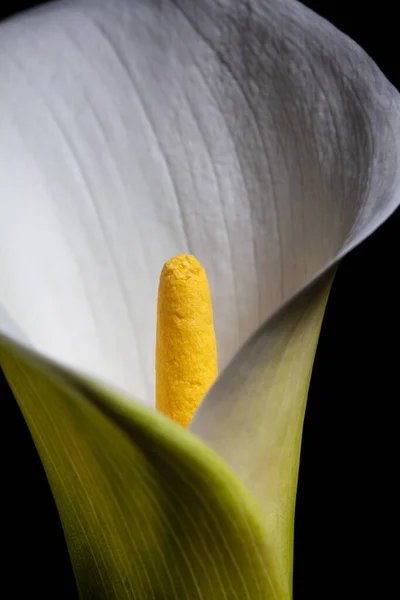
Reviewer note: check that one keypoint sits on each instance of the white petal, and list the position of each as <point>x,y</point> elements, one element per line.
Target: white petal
<point>263,141</point>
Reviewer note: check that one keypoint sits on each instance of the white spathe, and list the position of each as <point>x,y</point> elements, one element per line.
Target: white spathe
<point>251,134</point>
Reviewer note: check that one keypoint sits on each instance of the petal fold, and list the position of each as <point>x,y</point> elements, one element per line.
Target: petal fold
<point>253,417</point>
<point>148,511</point>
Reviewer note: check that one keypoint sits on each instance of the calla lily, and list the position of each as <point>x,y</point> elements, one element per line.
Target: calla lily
<point>251,134</point>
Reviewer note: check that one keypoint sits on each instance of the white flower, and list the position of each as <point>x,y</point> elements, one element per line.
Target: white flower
<point>250,134</point>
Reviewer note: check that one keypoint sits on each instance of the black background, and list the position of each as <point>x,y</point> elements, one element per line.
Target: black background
<point>345,515</point>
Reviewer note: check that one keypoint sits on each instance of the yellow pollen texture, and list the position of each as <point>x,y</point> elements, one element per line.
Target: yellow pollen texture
<point>186,349</point>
